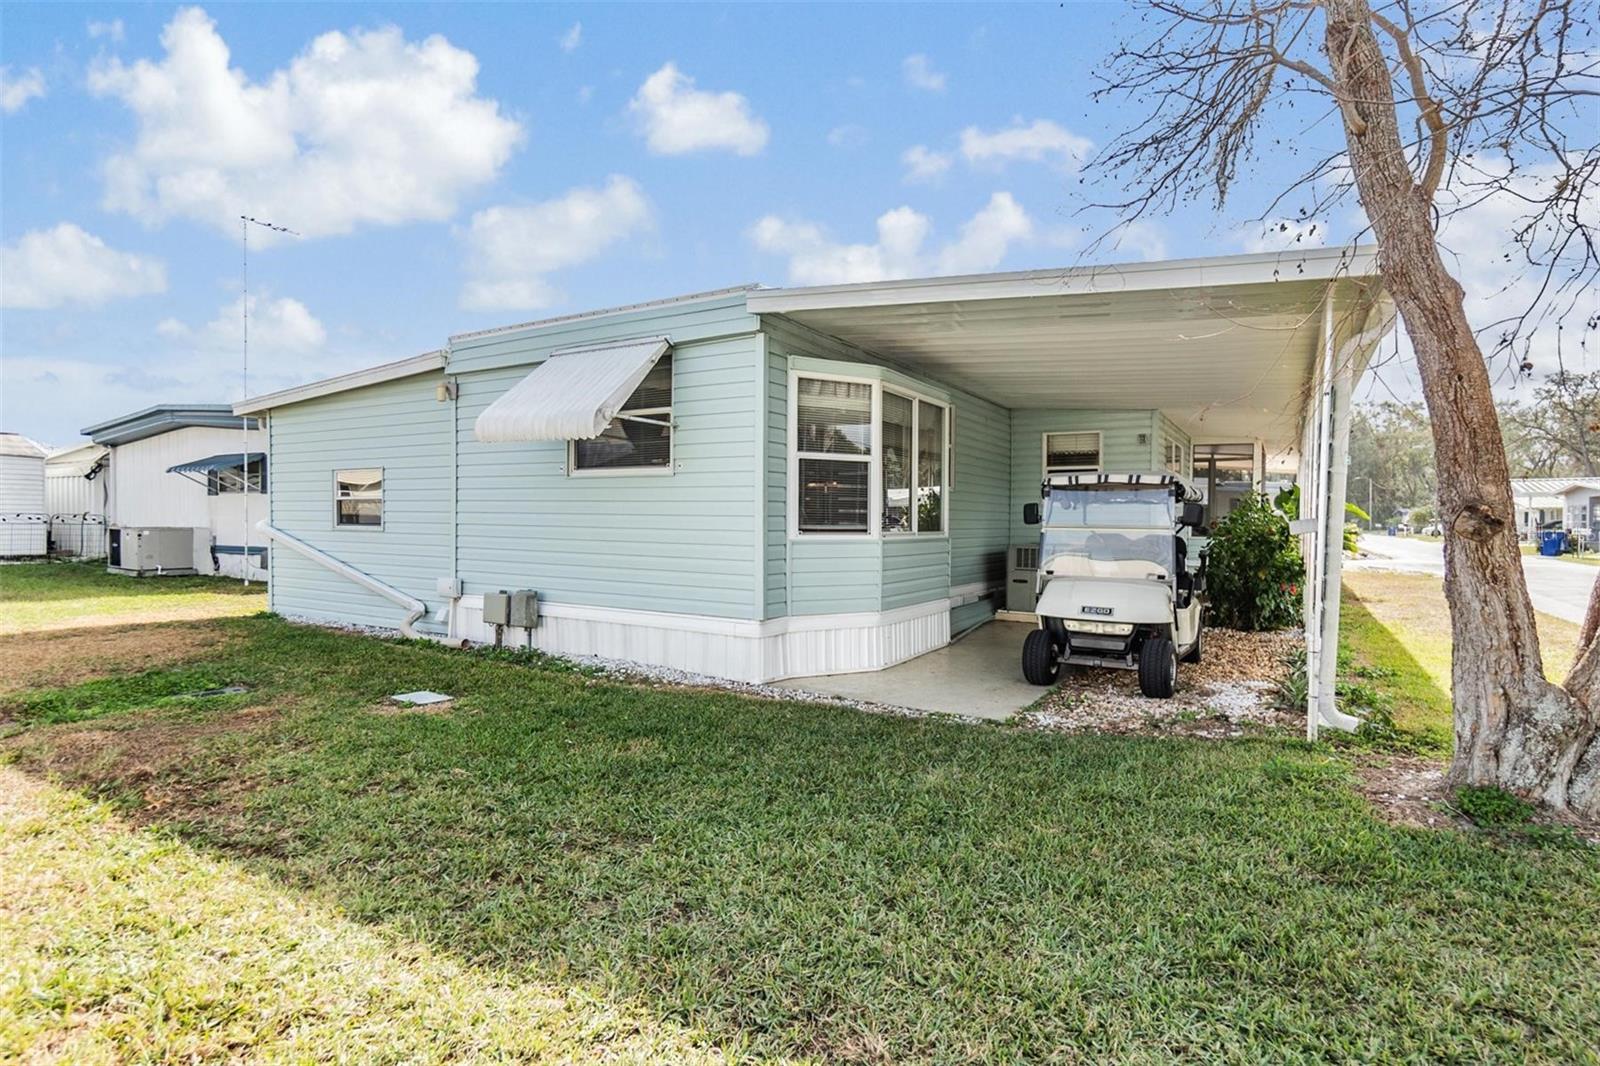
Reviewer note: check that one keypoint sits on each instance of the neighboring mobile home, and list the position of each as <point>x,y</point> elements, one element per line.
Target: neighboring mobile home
<point>769,483</point>
<point>77,494</point>
<point>24,525</point>
<point>182,467</point>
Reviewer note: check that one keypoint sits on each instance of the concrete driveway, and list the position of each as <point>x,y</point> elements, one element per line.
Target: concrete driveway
<point>1557,587</point>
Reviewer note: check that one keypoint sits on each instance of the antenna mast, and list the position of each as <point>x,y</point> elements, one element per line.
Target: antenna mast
<point>245,222</point>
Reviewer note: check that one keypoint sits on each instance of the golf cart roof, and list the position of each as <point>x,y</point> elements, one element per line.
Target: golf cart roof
<point>1181,485</point>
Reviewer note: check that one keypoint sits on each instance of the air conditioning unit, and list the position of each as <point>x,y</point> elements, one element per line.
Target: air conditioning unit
<point>1022,577</point>
<point>147,551</point>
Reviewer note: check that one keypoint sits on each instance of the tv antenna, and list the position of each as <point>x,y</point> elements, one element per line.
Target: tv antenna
<point>245,222</point>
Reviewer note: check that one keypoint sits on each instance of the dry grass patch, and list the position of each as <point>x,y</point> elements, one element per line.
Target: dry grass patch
<point>68,657</point>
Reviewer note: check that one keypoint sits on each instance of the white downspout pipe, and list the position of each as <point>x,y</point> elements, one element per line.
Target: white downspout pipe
<point>415,607</point>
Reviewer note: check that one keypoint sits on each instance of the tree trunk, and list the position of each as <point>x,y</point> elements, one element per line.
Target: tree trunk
<point>1513,729</point>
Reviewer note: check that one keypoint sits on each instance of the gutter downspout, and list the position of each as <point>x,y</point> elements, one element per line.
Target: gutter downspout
<point>415,607</point>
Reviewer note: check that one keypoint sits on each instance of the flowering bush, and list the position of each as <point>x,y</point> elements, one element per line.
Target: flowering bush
<point>1254,571</point>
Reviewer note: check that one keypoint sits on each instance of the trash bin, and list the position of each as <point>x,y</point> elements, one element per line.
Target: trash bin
<point>1551,541</point>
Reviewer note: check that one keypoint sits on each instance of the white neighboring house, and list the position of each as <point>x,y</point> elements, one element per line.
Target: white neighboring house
<point>1539,504</point>
<point>1580,504</point>
<point>24,526</point>
<point>77,495</point>
<point>181,466</point>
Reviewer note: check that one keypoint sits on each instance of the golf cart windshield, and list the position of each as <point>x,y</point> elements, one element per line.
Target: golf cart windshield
<point>1117,531</point>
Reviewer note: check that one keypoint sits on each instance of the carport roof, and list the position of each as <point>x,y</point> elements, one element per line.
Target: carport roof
<point>1227,346</point>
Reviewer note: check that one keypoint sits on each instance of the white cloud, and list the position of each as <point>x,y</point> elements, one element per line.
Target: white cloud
<point>280,328</point>
<point>359,129</point>
<point>1283,235</point>
<point>1141,240</point>
<point>572,38</point>
<point>68,265</point>
<point>1040,141</point>
<point>111,30</point>
<point>899,252</point>
<point>924,164</point>
<point>512,250</point>
<point>17,91</point>
<point>677,118</point>
<point>919,73</point>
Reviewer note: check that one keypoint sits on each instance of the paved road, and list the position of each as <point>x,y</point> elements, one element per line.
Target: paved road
<point>1557,587</point>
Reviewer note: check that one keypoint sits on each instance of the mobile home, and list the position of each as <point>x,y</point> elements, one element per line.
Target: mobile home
<point>24,525</point>
<point>761,483</point>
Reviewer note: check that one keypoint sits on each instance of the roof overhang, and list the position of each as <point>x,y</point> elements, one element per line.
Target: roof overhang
<point>163,418</point>
<point>1227,347</point>
<point>356,379</point>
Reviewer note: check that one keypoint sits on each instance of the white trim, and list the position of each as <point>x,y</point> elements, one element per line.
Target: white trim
<point>382,502</point>
<point>356,379</point>
<point>736,648</point>
<point>606,312</point>
<point>1268,267</point>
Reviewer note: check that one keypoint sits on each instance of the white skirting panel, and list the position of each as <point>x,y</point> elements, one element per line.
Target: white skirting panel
<point>725,647</point>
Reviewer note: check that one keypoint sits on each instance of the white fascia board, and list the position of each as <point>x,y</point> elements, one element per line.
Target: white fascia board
<point>1261,269</point>
<point>372,375</point>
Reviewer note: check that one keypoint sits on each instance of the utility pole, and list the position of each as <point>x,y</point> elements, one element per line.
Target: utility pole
<point>245,222</point>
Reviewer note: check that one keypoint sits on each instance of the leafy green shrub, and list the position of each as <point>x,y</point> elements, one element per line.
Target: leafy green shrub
<point>1254,570</point>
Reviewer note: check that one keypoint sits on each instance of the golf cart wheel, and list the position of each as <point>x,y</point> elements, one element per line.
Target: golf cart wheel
<point>1158,668</point>
<point>1193,654</point>
<point>1039,663</point>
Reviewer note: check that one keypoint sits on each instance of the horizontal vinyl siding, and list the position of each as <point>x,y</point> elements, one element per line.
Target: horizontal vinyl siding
<point>980,505</point>
<point>400,426</point>
<point>684,542</point>
<point>829,576</point>
<point>916,569</point>
<point>775,512</point>
<point>1120,450</point>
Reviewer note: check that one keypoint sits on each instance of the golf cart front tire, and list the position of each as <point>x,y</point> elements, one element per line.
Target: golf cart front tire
<point>1040,664</point>
<point>1158,668</point>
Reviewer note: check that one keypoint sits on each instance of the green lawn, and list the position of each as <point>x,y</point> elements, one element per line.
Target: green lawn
<point>1587,558</point>
<point>561,867</point>
<point>62,595</point>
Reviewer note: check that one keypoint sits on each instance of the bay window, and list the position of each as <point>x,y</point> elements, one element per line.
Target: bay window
<point>869,458</point>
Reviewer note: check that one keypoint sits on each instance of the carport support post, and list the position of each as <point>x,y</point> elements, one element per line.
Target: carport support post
<point>1332,548</point>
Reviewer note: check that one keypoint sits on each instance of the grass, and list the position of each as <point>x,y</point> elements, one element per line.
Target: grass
<point>563,868</point>
<point>65,595</point>
<point>1587,558</point>
<point>1395,632</point>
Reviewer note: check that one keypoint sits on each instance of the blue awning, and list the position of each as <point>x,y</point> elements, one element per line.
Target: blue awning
<point>226,461</point>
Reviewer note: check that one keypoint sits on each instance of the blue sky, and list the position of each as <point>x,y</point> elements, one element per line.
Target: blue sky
<point>459,167</point>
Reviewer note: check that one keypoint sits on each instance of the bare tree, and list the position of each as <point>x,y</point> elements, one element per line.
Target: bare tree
<point>1442,108</point>
<point>1560,426</point>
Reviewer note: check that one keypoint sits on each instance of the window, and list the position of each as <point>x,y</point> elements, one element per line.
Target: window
<point>833,440</point>
<point>358,497</point>
<point>227,479</point>
<point>1174,456</point>
<point>639,439</point>
<point>860,446</point>
<point>1072,453</point>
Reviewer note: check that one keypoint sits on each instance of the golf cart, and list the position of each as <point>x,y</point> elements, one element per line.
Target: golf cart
<point>1114,587</point>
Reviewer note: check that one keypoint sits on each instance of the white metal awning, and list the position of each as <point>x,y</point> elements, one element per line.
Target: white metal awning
<point>573,395</point>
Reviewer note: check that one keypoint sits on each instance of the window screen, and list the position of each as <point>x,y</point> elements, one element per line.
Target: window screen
<point>833,439</point>
<point>640,437</point>
<point>897,462</point>
<point>358,497</point>
<point>227,479</point>
<point>1071,453</point>
<point>930,467</point>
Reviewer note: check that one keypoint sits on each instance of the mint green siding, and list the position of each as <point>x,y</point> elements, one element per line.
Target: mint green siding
<point>681,542</point>
<point>399,426</point>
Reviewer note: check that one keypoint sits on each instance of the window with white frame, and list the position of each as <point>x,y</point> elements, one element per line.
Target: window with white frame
<point>1174,456</point>
<point>639,439</point>
<point>862,447</point>
<point>1072,453</point>
<point>358,497</point>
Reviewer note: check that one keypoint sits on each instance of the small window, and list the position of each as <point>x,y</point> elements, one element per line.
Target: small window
<point>1174,456</point>
<point>226,480</point>
<point>833,437</point>
<point>358,497</point>
<point>1071,453</point>
<point>899,413</point>
<point>930,467</point>
<point>640,437</point>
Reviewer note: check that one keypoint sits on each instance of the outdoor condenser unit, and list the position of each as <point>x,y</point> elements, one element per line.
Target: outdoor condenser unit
<point>1022,576</point>
<point>145,551</point>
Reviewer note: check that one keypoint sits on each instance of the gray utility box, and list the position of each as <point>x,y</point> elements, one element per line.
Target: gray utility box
<point>146,551</point>
<point>1022,578</point>
<point>519,610</point>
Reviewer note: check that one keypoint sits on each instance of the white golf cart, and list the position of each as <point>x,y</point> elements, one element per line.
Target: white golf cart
<point>1115,588</point>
